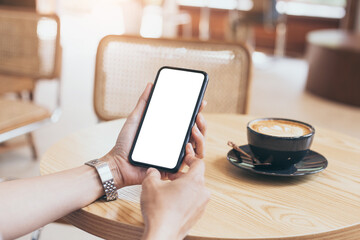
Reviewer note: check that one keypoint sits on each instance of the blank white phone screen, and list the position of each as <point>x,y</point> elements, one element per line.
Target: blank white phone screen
<point>168,117</point>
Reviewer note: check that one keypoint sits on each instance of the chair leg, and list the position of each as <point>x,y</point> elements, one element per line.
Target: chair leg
<point>30,135</point>
<point>31,96</point>
<point>31,141</point>
<point>36,234</point>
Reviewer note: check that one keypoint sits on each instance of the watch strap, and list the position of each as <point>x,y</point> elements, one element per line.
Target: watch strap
<point>106,178</point>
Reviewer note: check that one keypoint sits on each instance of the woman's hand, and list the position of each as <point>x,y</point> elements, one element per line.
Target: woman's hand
<point>126,174</point>
<point>170,209</point>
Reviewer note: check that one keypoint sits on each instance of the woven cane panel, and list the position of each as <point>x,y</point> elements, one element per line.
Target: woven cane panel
<point>126,65</point>
<point>28,44</point>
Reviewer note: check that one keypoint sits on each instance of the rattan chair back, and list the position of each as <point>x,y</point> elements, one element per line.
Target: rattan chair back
<point>29,44</point>
<point>125,64</point>
<point>29,50</point>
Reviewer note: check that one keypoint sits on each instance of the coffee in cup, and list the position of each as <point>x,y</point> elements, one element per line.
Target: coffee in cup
<point>279,143</point>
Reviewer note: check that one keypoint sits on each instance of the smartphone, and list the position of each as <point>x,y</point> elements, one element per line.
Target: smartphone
<point>169,116</point>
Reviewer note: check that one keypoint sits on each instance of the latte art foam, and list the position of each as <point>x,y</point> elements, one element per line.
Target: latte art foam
<point>280,128</point>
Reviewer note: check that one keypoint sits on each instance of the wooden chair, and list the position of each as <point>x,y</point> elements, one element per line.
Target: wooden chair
<point>29,51</point>
<point>125,64</point>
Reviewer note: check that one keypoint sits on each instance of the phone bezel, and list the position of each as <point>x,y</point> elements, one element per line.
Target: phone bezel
<point>192,122</point>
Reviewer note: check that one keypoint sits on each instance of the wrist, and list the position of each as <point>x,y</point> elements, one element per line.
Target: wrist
<point>92,182</point>
<point>115,171</point>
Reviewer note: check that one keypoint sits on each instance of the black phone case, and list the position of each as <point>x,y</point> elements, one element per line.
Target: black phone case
<point>192,122</point>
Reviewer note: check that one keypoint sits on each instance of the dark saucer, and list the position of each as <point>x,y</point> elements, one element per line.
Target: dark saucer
<point>313,162</point>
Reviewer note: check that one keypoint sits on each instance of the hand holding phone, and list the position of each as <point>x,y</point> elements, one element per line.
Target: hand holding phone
<point>170,113</point>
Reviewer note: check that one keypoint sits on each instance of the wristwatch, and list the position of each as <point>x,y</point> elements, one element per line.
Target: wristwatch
<point>106,178</point>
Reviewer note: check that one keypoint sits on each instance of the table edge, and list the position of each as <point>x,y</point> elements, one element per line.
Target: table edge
<point>109,229</point>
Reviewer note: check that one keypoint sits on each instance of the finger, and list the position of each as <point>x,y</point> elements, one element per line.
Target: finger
<point>190,154</point>
<point>174,176</point>
<point>182,166</point>
<point>197,168</point>
<point>192,142</point>
<point>196,171</point>
<point>141,104</point>
<point>179,173</point>
<point>203,105</point>
<point>199,142</point>
<point>164,175</point>
<point>201,123</point>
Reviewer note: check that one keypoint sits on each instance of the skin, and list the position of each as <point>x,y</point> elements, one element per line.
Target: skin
<point>167,210</point>
<point>128,174</point>
<point>34,202</point>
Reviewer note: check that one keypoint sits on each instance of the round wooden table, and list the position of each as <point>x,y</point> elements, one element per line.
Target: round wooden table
<point>243,205</point>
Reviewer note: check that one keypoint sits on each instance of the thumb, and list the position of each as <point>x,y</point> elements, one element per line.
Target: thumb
<point>153,174</point>
<point>141,104</point>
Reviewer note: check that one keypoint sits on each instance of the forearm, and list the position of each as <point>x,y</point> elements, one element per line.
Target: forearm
<point>28,204</point>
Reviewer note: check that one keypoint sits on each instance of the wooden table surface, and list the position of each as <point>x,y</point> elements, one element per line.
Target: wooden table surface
<point>243,205</point>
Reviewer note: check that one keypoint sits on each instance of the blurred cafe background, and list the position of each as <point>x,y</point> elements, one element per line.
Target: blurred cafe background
<point>304,64</point>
